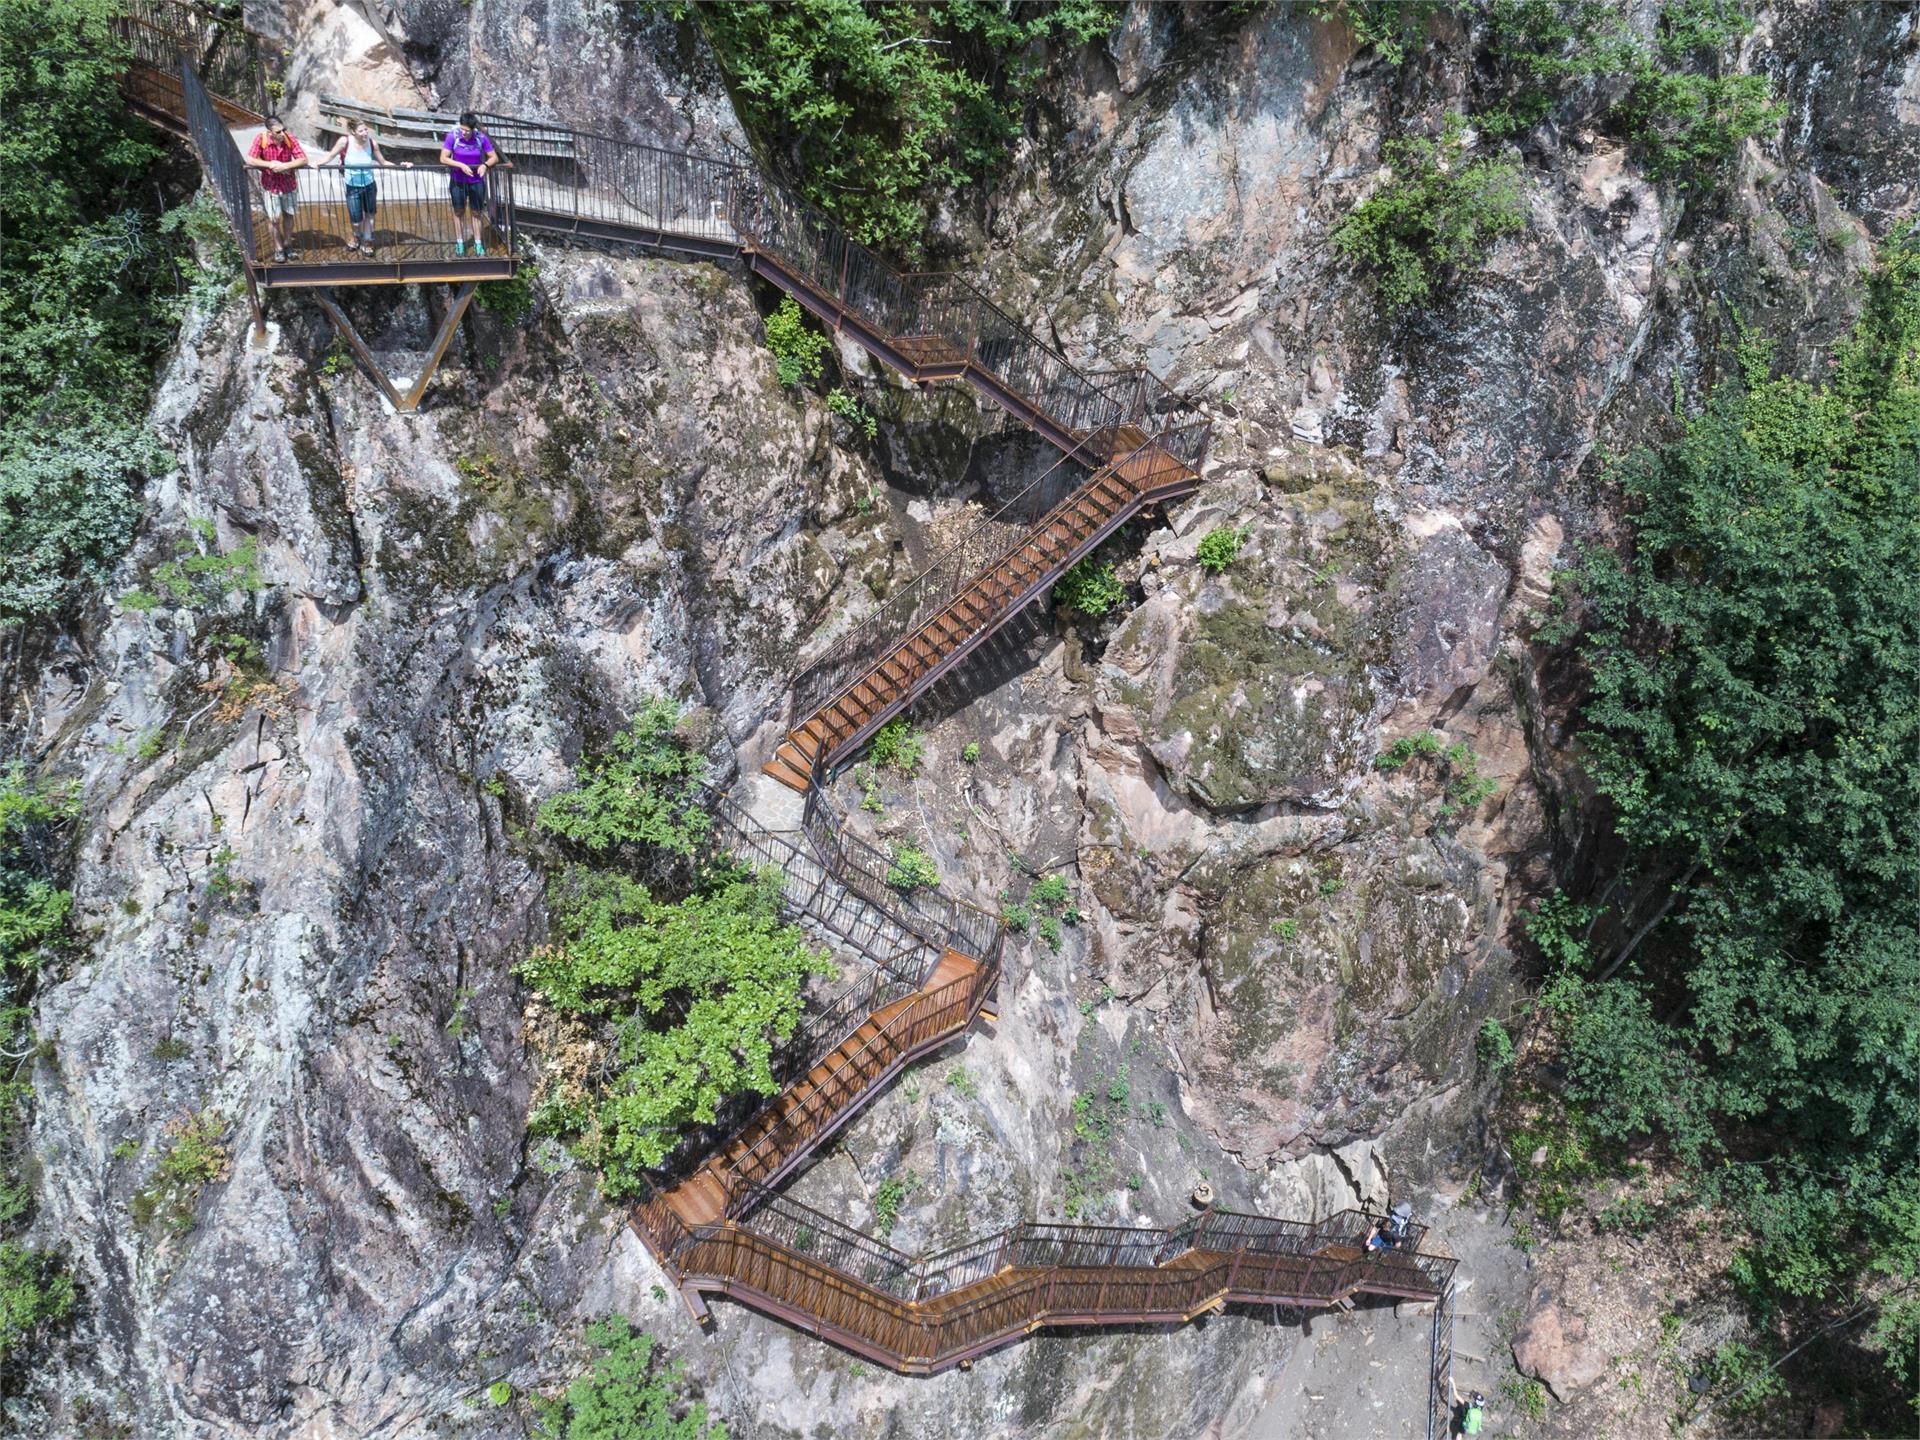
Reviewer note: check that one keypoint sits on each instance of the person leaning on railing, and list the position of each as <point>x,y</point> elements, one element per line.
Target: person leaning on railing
<point>358,151</point>
<point>468,155</point>
<point>278,154</point>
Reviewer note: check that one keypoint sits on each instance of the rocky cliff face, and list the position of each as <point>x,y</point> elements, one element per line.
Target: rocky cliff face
<point>304,875</point>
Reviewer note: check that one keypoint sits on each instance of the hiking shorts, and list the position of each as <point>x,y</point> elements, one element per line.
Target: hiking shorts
<point>362,201</point>
<point>282,202</point>
<point>468,194</point>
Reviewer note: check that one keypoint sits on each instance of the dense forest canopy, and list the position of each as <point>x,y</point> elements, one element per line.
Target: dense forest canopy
<point>1755,662</point>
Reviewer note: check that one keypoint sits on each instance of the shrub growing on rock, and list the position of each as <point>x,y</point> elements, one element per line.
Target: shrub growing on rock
<point>1220,547</point>
<point>697,993</point>
<point>624,1395</point>
<point>898,746</point>
<point>912,869</point>
<point>799,350</point>
<point>1437,215</point>
<point>644,791</point>
<point>1091,587</point>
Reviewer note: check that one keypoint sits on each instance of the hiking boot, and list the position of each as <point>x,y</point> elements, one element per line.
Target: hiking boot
<point>459,247</point>
<point>478,248</point>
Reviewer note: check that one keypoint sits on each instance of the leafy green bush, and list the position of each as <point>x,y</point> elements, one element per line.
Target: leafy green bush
<point>698,991</point>
<point>898,746</point>
<point>68,503</point>
<point>1091,587</point>
<point>201,576</point>
<point>1049,891</point>
<point>912,869</point>
<point>1682,119</point>
<point>1493,1045</point>
<point>1751,725</point>
<point>1391,27</point>
<point>1438,215</point>
<point>1220,547</point>
<point>624,1395</point>
<point>85,304</point>
<point>887,1197</point>
<point>33,911</point>
<point>849,408</point>
<point>644,791</point>
<point>880,109</point>
<point>799,350</point>
<point>1463,787</point>
<point>1686,124</point>
<point>35,1290</point>
<point>195,1157</point>
<point>510,301</point>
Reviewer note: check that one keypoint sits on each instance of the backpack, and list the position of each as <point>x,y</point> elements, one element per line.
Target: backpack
<point>1472,1417</point>
<point>1398,1219</point>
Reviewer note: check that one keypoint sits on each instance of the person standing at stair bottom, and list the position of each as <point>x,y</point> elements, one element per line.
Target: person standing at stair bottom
<point>277,154</point>
<point>358,151</point>
<point>468,154</point>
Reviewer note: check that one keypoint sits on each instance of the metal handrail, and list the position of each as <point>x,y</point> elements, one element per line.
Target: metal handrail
<point>972,563</point>
<point>219,157</point>
<point>826,1098</point>
<point>1070,1269</point>
<point>227,57</point>
<point>934,915</point>
<point>927,593</point>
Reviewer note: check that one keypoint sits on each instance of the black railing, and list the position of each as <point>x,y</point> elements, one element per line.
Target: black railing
<point>1042,1244</point>
<point>226,171</point>
<point>880,930</point>
<point>413,215</point>
<point>612,186</point>
<point>935,587</point>
<point>229,60</point>
<point>1440,1369</point>
<point>926,911</point>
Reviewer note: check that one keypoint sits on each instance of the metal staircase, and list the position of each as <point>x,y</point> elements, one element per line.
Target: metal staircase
<point>928,964</point>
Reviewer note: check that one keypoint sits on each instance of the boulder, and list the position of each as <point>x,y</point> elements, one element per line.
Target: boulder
<point>1553,1348</point>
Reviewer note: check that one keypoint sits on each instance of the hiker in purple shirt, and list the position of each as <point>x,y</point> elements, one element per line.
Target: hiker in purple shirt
<point>468,154</point>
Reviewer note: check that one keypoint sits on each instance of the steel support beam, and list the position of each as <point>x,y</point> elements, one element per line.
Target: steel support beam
<point>409,401</point>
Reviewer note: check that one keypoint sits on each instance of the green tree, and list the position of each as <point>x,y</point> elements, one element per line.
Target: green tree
<point>880,108</point>
<point>625,1395</point>
<point>1675,103</point>
<point>82,319</point>
<point>698,992</point>
<point>1755,654</point>
<point>1437,215</point>
<point>646,790</point>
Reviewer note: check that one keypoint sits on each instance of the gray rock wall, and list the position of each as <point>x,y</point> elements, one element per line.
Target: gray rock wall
<point>305,872</point>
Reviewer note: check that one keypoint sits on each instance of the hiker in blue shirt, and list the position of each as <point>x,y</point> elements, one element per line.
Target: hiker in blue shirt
<point>358,151</point>
<point>1391,1233</point>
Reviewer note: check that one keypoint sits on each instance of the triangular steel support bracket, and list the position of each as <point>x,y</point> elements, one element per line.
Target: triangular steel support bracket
<point>410,400</point>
